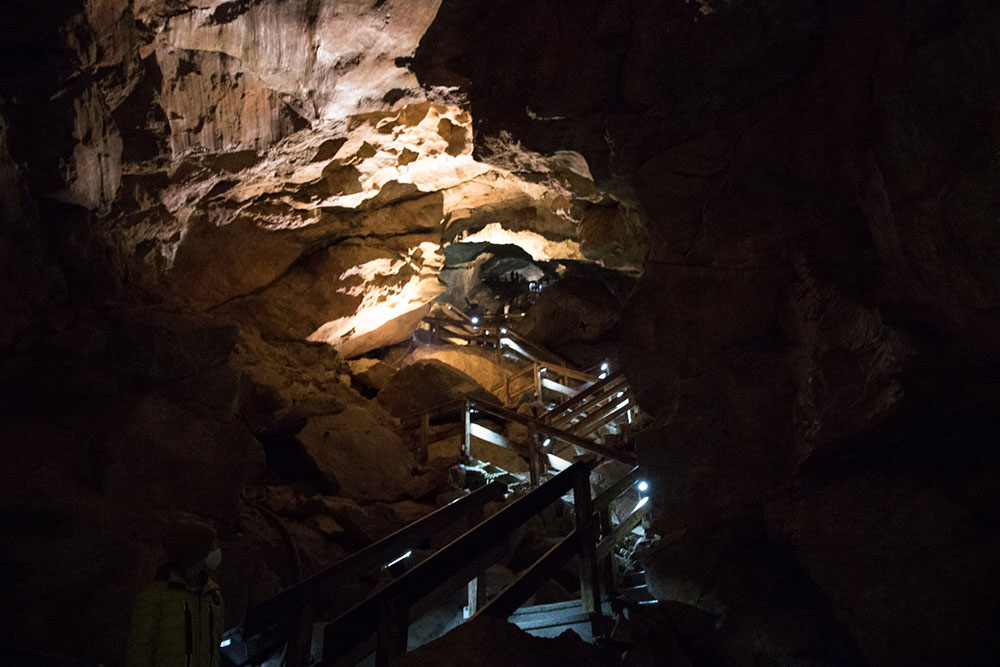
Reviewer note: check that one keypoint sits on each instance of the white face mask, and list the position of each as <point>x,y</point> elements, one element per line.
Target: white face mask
<point>214,558</point>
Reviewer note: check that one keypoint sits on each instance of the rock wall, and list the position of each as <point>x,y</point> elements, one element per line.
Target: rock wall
<point>818,182</point>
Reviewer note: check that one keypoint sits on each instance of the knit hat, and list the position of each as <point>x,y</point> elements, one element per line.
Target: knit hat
<point>188,542</point>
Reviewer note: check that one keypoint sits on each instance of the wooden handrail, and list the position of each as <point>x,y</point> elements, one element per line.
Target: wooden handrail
<point>363,619</point>
<point>555,433</point>
<point>615,490</point>
<point>601,414</point>
<point>584,395</point>
<point>276,615</point>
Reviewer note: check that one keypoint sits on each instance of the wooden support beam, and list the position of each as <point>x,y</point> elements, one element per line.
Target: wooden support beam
<point>467,431</point>
<point>533,460</point>
<point>609,573</point>
<point>595,391</point>
<point>492,437</point>
<point>299,652</point>
<point>590,578</point>
<point>517,592</point>
<point>602,415</point>
<point>393,627</point>
<point>558,387</point>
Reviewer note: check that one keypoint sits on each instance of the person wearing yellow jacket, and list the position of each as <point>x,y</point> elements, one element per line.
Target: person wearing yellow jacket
<point>177,621</point>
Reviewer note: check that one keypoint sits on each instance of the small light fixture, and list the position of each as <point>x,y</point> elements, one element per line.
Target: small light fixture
<point>399,560</point>
<point>643,487</point>
<point>503,331</point>
<point>605,366</point>
<point>475,320</point>
<point>548,441</point>
<point>225,642</point>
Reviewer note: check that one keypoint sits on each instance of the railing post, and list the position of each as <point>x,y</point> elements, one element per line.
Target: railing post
<point>538,383</point>
<point>590,586</point>
<point>533,462</point>
<point>467,431</point>
<point>608,566</point>
<point>393,627</point>
<point>300,639</point>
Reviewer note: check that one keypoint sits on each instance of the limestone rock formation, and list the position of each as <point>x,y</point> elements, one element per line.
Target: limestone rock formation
<point>362,456</point>
<point>801,169</point>
<point>429,384</point>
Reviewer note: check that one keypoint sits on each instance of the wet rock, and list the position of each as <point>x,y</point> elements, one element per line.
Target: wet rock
<point>360,453</point>
<point>428,384</point>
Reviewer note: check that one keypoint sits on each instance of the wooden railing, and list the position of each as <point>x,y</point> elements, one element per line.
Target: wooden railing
<point>291,613</point>
<point>539,453</point>
<point>381,622</point>
<point>601,403</point>
<point>598,571</point>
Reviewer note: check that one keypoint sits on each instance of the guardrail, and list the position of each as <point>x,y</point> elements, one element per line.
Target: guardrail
<point>381,622</point>
<point>290,614</point>
<point>464,409</point>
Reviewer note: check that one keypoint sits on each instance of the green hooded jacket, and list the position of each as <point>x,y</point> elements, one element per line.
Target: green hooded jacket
<point>175,624</point>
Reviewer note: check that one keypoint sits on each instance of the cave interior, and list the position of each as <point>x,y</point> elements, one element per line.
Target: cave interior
<point>235,236</point>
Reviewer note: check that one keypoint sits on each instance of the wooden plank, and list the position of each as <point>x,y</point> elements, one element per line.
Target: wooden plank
<point>442,566</point>
<point>609,573</point>
<point>555,433</point>
<point>590,576</point>
<point>558,388</point>
<point>492,437</point>
<point>585,395</point>
<point>623,529</point>
<point>393,627</point>
<point>533,462</point>
<point>467,431</point>
<point>518,591</point>
<point>602,415</point>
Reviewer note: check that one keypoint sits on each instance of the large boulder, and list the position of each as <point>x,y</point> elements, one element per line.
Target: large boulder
<point>429,384</point>
<point>572,310</point>
<point>359,453</point>
<point>483,365</point>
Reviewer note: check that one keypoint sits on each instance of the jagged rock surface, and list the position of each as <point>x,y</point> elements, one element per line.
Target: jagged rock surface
<point>814,179</point>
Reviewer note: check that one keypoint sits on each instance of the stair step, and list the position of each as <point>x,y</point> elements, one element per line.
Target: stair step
<point>551,620</point>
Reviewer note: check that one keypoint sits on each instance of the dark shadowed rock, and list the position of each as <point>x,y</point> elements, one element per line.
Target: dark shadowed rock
<point>158,345</point>
<point>428,384</point>
<point>573,310</point>
<point>166,456</point>
<point>492,643</point>
<point>358,451</point>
